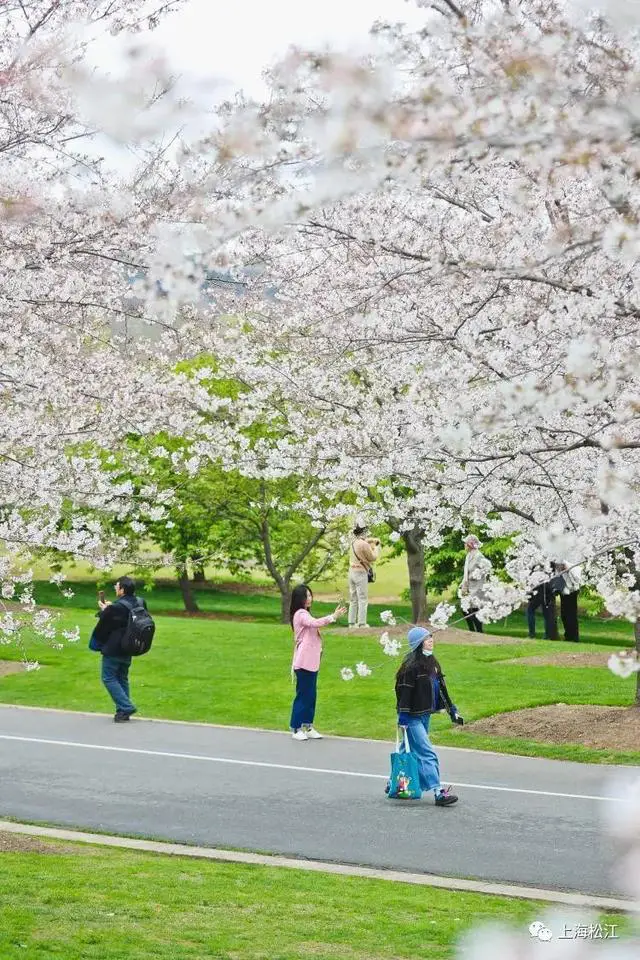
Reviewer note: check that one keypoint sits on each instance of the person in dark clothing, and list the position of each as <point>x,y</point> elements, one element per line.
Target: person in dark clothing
<point>572,578</point>
<point>543,596</point>
<point>569,615</point>
<point>109,631</point>
<point>420,692</point>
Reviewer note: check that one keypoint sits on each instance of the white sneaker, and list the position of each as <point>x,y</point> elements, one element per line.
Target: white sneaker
<point>299,735</point>
<point>313,734</point>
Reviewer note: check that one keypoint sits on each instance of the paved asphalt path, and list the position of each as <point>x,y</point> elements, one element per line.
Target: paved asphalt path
<point>519,820</point>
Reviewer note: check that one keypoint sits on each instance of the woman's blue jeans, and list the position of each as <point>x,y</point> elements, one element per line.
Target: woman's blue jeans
<point>420,745</point>
<point>115,676</point>
<point>304,706</point>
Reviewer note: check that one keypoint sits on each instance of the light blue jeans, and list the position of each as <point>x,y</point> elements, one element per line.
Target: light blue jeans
<point>419,743</point>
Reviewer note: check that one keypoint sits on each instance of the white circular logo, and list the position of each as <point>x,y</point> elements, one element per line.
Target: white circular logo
<point>538,931</point>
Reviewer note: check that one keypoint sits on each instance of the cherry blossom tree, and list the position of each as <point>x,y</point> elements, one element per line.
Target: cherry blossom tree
<point>68,230</point>
<point>456,306</point>
<point>450,230</point>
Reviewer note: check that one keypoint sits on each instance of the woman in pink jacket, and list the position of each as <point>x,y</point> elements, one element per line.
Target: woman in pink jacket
<point>307,650</point>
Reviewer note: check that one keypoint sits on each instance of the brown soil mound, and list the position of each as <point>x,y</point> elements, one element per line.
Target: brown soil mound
<point>10,666</point>
<point>467,638</point>
<point>603,728</point>
<point>21,843</point>
<point>564,660</point>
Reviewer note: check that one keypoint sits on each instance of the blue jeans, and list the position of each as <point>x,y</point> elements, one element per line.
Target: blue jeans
<point>115,676</point>
<point>419,743</point>
<point>304,705</point>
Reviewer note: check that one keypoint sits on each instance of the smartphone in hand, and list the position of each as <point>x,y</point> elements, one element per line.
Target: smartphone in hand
<point>101,598</point>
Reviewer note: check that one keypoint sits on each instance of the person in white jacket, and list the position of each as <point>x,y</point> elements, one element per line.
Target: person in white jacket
<point>476,572</point>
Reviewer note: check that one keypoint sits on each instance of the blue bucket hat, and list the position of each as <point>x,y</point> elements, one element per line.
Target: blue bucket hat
<point>416,635</point>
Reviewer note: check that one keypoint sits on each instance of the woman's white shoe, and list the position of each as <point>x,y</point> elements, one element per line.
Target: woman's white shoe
<point>299,735</point>
<point>313,734</point>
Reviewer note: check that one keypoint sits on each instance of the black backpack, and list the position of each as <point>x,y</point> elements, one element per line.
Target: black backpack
<point>138,634</point>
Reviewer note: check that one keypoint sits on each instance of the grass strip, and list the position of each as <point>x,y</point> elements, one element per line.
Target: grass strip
<point>81,902</point>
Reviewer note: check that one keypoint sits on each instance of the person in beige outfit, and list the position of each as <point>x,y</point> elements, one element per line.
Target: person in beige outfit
<point>477,569</point>
<point>363,554</point>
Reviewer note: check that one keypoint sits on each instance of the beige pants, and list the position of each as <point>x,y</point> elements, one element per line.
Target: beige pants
<point>358,597</point>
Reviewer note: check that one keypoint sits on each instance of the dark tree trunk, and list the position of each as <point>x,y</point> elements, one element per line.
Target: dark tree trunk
<point>285,601</point>
<point>637,636</point>
<point>417,582</point>
<point>188,597</point>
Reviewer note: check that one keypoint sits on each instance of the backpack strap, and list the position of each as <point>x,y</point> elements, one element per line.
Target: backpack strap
<point>124,601</point>
<point>364,563</point>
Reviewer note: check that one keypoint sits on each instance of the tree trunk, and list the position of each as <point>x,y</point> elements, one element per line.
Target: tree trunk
<point>417,583</point>
<point>188,597</point>
<point>285,600</point>
<point>637,636</point>
<point>199,575</point>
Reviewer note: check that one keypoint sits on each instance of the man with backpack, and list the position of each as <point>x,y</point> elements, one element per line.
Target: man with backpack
<point>124,630</point>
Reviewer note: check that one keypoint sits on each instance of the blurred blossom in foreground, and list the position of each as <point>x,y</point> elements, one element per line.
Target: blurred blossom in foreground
<point>568,934</point>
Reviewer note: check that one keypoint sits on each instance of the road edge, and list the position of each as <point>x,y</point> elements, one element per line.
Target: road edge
<point>287,733</point>
<point>320,866</point>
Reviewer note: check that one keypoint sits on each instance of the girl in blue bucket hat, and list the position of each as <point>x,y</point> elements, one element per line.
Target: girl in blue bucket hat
<point>421,691</point>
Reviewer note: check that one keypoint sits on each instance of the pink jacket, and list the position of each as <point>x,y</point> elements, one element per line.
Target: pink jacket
<point>308,641</point>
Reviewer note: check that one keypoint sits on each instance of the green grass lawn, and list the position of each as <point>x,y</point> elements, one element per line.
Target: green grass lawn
<point>265,607</point>
<point>239,673</point>
<point>90,903</point>
<point>391,577</point>
<point>166,598</point>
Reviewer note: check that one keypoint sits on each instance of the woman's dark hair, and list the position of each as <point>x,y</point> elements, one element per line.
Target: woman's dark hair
<point>128,585</point>
<point>358,530</point>
<point>414,656</point>
<point>298,599</point>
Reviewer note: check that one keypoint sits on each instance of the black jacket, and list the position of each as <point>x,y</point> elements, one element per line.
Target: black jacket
<point>420,687</point>
<point>112,624</point>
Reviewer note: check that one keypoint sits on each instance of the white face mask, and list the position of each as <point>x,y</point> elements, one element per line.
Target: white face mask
<point>427,653</point>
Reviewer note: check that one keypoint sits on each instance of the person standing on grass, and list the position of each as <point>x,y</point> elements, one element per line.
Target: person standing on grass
<point>108,634</point>
<point>363,554</point>
<point>572,577</point>
<point>307,651</point>
<point>542,596</point>
<point>476,572</point>
<point>420,692</point>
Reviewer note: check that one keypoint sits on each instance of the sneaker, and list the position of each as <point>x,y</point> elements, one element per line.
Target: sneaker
<point>121,717</point>
<point>299,735</point>
<point>313,734</point>
<point>445,798</point>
